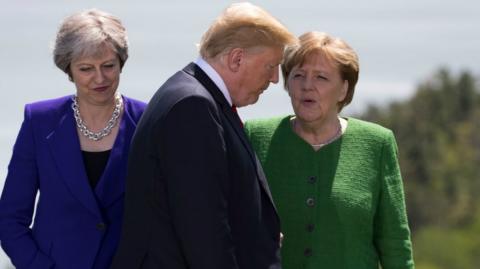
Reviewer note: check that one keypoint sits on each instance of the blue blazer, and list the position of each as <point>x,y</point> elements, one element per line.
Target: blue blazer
<point>74,226</point>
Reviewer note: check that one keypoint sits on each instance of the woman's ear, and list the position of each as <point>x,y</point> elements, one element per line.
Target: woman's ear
<point>343,91</point>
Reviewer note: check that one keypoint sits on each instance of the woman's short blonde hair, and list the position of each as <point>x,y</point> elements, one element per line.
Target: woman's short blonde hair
<point>334,49</point>
<point>243,25</point>
<point>88,33</point>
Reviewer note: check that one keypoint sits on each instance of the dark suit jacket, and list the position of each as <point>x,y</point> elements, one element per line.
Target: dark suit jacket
<point>196,196</point>
<point>74,227</point>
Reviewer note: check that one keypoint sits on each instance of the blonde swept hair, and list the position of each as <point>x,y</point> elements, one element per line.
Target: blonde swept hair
<point>243,25</point>
<point>88,33</point>
<point>334,49</point>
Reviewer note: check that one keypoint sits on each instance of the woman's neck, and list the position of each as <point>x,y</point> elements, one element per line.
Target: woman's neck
<point>96,116</point>
<point>99,125</point>
<point>317,133</point>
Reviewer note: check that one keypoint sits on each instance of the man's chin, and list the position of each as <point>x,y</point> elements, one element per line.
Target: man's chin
<point>249,101</point>
<point>253,100</point>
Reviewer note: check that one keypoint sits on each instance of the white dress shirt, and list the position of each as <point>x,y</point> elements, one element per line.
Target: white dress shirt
<point>215,77</point>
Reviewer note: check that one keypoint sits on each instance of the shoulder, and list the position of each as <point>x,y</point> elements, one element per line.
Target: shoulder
<point>49,107</point>
<point>371,137</point>
<point>259,130</point>
<point>368,130</point>
<point>264,125</point>
<point>183,84</point>
<point>134,107</point>
<point>178,89</point>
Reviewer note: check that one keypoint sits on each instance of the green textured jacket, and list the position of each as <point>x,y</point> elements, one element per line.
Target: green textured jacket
<point>341,207</point>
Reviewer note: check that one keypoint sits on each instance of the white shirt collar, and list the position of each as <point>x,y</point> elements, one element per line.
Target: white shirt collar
<point>215,77</point>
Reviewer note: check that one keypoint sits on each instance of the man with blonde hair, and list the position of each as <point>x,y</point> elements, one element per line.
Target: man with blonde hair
<point>196,196</point>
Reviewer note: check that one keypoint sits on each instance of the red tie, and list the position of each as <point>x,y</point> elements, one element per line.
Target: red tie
<point>234,109</point>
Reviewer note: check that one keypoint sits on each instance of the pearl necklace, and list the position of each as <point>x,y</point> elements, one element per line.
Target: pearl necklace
<point>110,124</point>
<point>338,133</point>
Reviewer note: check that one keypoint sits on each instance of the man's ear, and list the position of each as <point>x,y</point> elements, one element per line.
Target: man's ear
<point>235,58</point>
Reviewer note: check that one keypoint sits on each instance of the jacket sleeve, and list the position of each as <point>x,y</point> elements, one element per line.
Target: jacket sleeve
<point>194,160</point>
<point>392,234</point>
<point>17,203</point>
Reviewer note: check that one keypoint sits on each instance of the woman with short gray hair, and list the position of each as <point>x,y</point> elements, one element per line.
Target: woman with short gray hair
<point>72,151</point>
<point>83,33</point>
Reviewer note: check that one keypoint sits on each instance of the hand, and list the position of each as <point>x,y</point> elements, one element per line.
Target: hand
<point>281,239</point>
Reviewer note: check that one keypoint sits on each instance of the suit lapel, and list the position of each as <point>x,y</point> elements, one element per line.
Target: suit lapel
<point>234,121</point>
<point>263,180</point>
<point>65,147</point>
<point>225,107</point>
<point>112,184</point>
<point>233,118</point>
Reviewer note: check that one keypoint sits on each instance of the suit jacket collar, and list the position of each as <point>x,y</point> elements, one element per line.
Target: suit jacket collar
<point>212,88</point>
<point>65,148</point>
<point>215,77</point>
<point>232,117</point>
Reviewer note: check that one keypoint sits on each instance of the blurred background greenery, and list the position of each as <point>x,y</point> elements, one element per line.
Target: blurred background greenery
<point>438,135</point>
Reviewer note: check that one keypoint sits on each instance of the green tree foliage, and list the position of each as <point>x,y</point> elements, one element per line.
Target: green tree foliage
<point>438,134</point>
<point>444,248</point>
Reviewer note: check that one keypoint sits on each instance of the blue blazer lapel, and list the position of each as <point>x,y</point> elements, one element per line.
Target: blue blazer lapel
<point>111,186</point>
<point>65,147</point>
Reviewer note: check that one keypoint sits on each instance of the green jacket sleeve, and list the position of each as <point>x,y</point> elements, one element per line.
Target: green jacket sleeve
<point>391,231</point>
